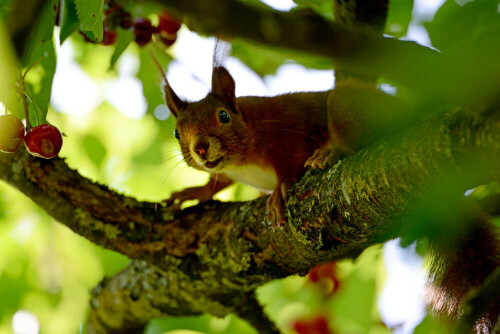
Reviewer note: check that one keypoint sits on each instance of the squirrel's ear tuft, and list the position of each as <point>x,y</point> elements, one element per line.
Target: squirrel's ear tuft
<point>223,85</point>
<point>174,103</point>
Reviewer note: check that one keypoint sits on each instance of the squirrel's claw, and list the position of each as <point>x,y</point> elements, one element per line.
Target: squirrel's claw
<point>322,157</point>
<point>275,205</point>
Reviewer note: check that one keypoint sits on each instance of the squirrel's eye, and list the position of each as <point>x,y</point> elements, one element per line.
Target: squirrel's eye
<point>176,134</point>
<point>223,116</point>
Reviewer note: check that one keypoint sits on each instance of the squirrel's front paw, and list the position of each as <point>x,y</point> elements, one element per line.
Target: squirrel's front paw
<point>195,193</point>
<point>322,157</point>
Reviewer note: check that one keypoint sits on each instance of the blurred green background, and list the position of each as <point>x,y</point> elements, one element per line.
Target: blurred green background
<point>47,272</point>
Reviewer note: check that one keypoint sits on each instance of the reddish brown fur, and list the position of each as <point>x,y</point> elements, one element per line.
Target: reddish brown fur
<point>285,130</point>
<point>459,263</point>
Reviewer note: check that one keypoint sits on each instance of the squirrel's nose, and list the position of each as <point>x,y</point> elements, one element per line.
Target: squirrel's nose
<point>201,148</point>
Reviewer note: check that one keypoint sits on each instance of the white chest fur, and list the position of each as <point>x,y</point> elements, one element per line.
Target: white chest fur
<point>253,175</point>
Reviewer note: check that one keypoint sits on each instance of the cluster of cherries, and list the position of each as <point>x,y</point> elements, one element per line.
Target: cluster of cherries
<point>325,276</point>
<point>116,16</point>
<point>316,325</point>
<point>44,141</point>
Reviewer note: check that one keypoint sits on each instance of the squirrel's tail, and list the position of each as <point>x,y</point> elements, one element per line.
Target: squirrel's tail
<point>461,261</point>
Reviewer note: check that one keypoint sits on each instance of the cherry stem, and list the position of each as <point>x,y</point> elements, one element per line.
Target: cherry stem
<point>21,92</point>
<point>32,100</point>
<point>33,64</point>
<point>22,89</point>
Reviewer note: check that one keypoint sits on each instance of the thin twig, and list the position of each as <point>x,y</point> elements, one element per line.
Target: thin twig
<point>21,91</point>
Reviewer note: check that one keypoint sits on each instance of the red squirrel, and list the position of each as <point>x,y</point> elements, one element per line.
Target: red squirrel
<point>267,142</point>
<point>260,141</point>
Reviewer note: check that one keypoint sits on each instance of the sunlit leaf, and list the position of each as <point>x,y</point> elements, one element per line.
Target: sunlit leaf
<point>40,54</point>
<point>95,150</point>
<point>428,326</point>
<point>41,35</point>
<point>399,17</point>
<point>477,23</point>
<point>266,60</point>
<point>151,80</point>
<point>8,74</point>
<point>68,19</point>
<point>355,301</point>
<point>322,7</point>
<point>125,37</point>
<point>90,14</point>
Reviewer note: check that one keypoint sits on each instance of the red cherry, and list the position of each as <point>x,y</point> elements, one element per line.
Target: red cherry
<point>168,23</point>
<point>167,39</point>
<point>44,141</point>
<point>126,20</point>
<point>143,30</point>
<point>11,133</point>
<point>326,276</point>
<point>116,16</point>
<point>109,37</point>
<point>317,325</point>
<point>86,38</point>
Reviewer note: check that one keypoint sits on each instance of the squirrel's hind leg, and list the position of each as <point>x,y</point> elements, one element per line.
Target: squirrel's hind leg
<point>323,157</point>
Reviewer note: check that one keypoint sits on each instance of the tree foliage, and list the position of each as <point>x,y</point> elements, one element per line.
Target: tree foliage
<point>210,259</point>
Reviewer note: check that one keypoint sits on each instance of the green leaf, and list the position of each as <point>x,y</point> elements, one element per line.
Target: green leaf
<point>41,34</point>
<point>150,77</point>
<point>41,55</point>
<point>266,60</point>
<point>399,17</point>
<point>152,155</point>
<point>12,288</point>
<point>360,286</point>
<point>90,14</point>
<point>2,207</point>
<point>477,24</point>
<point>68,19</point>
<point>95,150</point>
<point>4,6</point>
<point>40,92</point>
<point>428,326</point>
<point>8,67</point>
<point>322,7</point>
<point>125,37</point>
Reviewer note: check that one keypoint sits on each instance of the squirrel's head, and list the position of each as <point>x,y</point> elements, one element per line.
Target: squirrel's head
<point>211,132</point>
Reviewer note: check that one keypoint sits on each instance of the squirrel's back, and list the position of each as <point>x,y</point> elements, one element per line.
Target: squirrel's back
<point>286,129</point>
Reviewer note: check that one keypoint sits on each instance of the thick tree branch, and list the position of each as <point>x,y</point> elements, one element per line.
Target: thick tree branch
<point>361,13</point>
<point>211,256</point>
